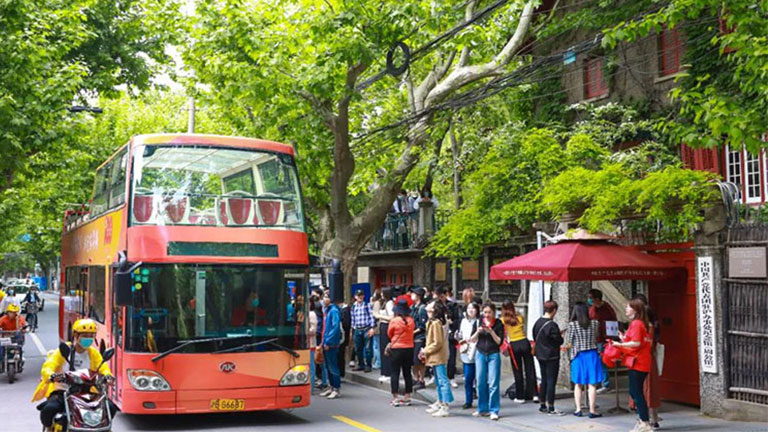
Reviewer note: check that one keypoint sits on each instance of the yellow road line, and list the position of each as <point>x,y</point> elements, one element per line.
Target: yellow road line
<point>353,423</point>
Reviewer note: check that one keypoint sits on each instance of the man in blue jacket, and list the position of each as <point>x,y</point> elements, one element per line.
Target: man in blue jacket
<point>331,341</point>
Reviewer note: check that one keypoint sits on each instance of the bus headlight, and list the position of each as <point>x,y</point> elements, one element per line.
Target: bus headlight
<point>297,375</point>
<point>147,380</point>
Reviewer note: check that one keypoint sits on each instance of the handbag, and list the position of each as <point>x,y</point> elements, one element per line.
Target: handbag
<point>660,348</point>
<point>319,356</point>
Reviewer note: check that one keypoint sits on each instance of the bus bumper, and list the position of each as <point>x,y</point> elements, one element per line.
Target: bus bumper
<point>199,401</point>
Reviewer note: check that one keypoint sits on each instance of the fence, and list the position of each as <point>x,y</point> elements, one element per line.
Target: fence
<point>747,323</point>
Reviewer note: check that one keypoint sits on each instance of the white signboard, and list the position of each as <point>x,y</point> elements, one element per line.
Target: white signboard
<point>612,328</point>
<point>705,286</point>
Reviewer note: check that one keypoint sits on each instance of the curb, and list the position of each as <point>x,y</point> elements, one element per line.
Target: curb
<point>371,379</point>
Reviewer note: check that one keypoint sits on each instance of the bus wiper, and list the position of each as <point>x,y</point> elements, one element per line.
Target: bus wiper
<point>245,346</point>
<point>271,342</point>
<point>195,341</point>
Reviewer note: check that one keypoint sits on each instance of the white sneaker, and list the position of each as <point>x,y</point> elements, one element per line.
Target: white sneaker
<point>433,408</point>
<point>383,379</point>
<point>535,398</point>
<point>454,384</point>
<point>603,390</point>
<point>326,392</point>
<point>352,363</point>
<point>443,411</point>
<point>429,381</point>
<point>334,395</point>
<point>494,416</point>
<point>518,401</point>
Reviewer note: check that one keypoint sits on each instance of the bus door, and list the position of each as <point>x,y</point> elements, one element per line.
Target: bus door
<point>117,331</point>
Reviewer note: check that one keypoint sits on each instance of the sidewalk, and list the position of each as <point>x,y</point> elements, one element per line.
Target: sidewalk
<point>525,417</point>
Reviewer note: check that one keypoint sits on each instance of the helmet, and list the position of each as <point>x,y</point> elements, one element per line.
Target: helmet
<point>13,307</point>
<point>85,325</point>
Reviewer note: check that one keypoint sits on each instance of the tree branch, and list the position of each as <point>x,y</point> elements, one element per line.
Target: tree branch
<point>467,74</point>
<point>467,50</point>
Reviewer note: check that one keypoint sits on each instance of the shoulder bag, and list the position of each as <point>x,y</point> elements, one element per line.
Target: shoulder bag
<point>533,342</point>
<point>388,348</point>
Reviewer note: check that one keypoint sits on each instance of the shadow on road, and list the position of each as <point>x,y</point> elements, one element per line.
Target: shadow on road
<point>210,421</point>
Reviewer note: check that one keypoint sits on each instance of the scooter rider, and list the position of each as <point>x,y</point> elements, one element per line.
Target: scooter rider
<point>84,355</point>
<point>12,320</point>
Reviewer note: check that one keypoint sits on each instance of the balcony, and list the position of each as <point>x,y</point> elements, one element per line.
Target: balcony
<point>406,231</point>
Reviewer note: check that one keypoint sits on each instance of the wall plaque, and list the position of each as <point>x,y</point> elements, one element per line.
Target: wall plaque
<point>747,262</point>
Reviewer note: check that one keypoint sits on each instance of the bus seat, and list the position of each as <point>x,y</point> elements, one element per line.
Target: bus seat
<point>270,212</point>
<point>142,207</point>
<point>176,208</point>
<point>239,210</point>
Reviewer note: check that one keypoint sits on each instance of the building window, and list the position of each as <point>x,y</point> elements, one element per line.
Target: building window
<point>594,81</point>
<point>670,52</point>
<point>734,166</point>
<point>752,177</point>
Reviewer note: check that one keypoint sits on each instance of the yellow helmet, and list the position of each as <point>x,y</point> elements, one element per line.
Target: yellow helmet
<point>13,307</point>
<point>84,325</point>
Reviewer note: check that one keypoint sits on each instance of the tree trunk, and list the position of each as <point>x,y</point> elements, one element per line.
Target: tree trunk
<point>349,267</point>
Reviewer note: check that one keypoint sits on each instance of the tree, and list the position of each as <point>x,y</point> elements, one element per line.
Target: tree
<point>58,53</point>
<point>313,90</point>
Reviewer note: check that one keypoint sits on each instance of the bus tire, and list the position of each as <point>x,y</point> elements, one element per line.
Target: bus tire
<point>11,373</point>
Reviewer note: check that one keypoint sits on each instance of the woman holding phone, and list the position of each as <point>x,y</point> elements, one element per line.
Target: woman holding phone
<point>488,338</point>
<point>636,344</point>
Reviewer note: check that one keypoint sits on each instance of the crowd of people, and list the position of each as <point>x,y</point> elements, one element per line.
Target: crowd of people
<point>416,334</point>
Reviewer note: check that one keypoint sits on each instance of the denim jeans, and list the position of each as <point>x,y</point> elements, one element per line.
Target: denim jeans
<point>376,352</point>
<point>488,378</point>
<point>332,365</point>
<point>443,384</point>
<point>363,348</point>
<point>606,373</point>
<point>312,368</point>
<point>470,370</point>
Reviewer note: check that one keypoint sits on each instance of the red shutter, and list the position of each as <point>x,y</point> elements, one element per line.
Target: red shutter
<point>725,29</point>
<point>700,159</point>
<point>594,84</point>
<point>670,49</point>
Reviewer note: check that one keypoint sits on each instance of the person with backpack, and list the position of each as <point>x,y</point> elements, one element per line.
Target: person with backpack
<point>467,328</point>
<point>586,366</point>
<point>548,339</point>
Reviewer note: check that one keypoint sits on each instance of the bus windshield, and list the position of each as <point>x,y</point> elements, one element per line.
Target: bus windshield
<point>173,303</point>
<point>189,185</point>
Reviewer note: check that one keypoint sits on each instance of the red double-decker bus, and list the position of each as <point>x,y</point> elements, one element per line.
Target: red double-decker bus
<point>192,257</point>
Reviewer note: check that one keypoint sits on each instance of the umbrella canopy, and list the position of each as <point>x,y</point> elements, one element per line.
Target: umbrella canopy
<point>585,261</point>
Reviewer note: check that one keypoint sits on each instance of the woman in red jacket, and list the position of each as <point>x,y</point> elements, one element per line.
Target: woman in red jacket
<point>636,344</point>
<point>400,333</point>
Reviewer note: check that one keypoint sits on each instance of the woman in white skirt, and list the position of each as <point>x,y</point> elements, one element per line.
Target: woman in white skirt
<point>585,360</point>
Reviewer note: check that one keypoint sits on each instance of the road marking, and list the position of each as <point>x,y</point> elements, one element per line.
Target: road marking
<point>353,423</point>
<point>38,344</point>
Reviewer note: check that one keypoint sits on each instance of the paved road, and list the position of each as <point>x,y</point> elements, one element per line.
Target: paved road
<point>360,409</point>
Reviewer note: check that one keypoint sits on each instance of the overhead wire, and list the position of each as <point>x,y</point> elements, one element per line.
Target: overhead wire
<point>493,87</point>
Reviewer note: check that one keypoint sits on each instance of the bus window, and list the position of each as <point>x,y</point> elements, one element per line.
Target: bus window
<point>242,182</point>
<point>101,190</point>
<point>117,180</point>
<point>173,303</point>
<point>96,298</point>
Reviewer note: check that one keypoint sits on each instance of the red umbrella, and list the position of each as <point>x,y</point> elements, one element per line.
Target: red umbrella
<point>585,260</point>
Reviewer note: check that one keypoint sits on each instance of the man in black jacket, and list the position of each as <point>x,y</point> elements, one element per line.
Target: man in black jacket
<point>454,320</point>
<point>548,339</point>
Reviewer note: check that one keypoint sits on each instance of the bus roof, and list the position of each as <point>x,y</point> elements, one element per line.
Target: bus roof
<point>215,140</point>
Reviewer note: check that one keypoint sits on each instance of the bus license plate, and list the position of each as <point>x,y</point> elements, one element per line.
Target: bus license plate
<point>227,404</point>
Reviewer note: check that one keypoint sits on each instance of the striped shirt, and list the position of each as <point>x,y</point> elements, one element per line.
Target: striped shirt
<point>580,338</point>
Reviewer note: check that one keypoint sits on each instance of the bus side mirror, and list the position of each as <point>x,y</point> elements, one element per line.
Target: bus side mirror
<point>64,350</point>
<point>108,354</point>
<point>123,285</point>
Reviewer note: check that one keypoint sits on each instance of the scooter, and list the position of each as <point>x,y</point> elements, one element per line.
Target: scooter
<point>11,344</point>
<point>85,400</point>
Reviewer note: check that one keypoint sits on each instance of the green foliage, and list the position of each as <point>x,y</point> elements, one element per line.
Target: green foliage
<point>528,175</point>
<point>722,95</point>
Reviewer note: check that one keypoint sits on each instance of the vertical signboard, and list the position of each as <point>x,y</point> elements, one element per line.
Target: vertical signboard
<point>708,353</point>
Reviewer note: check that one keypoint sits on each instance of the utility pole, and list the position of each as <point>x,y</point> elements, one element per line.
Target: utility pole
<point>191,122</point>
